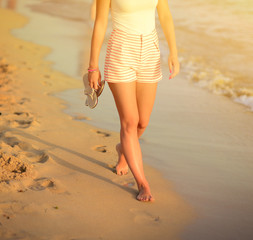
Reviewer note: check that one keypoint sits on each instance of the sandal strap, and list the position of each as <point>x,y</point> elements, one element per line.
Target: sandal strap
<point>91,94</point>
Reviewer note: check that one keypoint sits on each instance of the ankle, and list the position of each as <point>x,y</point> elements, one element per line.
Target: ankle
<point>143,185</point>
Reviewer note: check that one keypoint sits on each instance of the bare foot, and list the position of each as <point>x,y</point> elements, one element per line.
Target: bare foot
<point>122,166</point>
<point>145,194</point>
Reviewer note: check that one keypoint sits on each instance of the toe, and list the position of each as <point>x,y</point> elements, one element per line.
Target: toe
<point>139,197</point>
<point>146,198</point>
<point>151,199</point>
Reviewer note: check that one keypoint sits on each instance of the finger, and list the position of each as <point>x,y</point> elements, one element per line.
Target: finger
<point>99,80</point>
<point>171,69</point>
<point>177,69</point>
<point>170,66</point>
<point>175,72</point>
<point>95,84</point>
<point>172,75</point>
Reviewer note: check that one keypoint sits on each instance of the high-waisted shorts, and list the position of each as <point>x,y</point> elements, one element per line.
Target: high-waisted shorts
<point>132,57</point>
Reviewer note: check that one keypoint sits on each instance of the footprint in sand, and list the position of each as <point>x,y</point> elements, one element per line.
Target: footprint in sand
<point>42,184</point>
<point>145,217</point>
<point>100,148</point>
<point>22,113</point>
<point>129,183</point>
<point>34,155</point>
<point>39,157</point>
<point>50,184</point>
<point>46,83</point>
<point>23,120</point>
<point>125,180</point>
<point>104,134</point>
<point>23,100</point>
<point>24,123</point>
<point>81,117</point>
<point>47,76</point>
<point>12,141</point>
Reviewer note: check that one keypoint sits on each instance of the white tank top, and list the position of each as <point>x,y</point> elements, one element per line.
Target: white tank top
<point>134,16</point>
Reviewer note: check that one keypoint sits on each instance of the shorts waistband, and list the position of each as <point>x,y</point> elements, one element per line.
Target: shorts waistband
<point>134,34</point>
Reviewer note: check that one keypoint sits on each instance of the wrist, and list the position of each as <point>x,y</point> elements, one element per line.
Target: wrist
<point>93,68</point>
<point>93,64</point>
<point>173,55</point>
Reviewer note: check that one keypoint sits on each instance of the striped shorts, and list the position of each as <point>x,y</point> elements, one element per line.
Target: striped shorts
<point>132,57</point>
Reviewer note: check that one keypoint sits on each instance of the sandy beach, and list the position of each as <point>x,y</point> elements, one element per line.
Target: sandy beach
<point>57,179</point>
<point>57,156</point>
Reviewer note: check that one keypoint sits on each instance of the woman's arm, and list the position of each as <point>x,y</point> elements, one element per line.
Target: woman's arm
<point>100,25</point>
<point>166,22</point>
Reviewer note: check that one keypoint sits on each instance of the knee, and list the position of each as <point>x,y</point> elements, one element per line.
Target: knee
<point>142,124</point>
<point>129,125</point>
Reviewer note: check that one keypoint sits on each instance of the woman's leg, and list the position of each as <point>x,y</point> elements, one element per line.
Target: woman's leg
<point>145,94</point>
<point>128,98</point>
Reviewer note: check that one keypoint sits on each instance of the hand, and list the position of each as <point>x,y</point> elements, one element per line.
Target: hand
<point>173,65</point>
<point>94,79</point>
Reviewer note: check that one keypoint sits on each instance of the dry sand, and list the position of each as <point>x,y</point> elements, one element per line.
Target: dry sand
<point>56,175</point>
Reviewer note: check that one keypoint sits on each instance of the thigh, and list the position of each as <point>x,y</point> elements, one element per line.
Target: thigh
<point>145,95</point>
<point>125,99</point>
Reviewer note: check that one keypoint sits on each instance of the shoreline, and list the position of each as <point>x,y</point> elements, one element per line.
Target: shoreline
<point>70,160</point>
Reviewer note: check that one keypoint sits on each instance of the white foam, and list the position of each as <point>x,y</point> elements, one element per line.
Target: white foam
<point>245,100</point>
